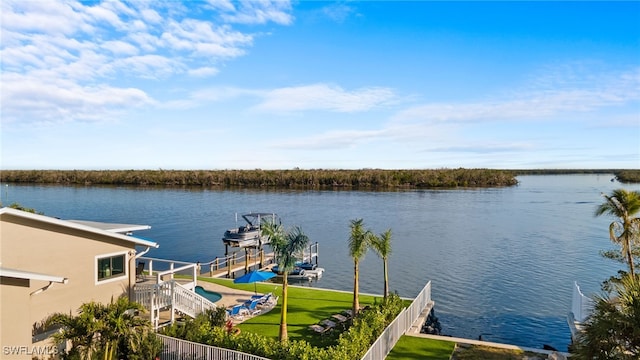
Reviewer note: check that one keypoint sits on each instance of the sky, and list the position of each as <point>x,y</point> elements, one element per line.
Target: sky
<point>224,84</point>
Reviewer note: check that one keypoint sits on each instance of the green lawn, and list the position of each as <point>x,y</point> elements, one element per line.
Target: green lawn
<point>411,348</point>
<point>307,306</point>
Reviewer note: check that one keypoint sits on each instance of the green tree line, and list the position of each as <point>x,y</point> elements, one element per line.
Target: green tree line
<point>295,178</point>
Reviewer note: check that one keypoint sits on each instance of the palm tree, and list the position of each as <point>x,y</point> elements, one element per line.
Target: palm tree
<point>109,330</point>
<point>624,205</point>
<point>286,245</point>
<point>359,242</point>
<point>611,331</point>
<point>382,246</point>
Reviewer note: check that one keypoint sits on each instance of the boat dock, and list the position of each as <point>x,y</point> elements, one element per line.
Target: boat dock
<point>239,262</point>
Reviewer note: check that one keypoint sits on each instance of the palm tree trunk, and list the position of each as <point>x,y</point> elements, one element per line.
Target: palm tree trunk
<point>386,278</point>
<point>283,310</point>
<point>356,290</point>
<point>630,257</point>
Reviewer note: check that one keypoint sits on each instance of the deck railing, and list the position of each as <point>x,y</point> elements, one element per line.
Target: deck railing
<point>189,302</point>
<point>399,326</point>
<point>170,294</point>
<point>177,349</point>
<point>251,258</point>
<point>169,268</point>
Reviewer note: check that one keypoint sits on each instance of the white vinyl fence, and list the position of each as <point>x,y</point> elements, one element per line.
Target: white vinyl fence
<point>581,305</point>
<point>177,349</point>
<point>399,326</point>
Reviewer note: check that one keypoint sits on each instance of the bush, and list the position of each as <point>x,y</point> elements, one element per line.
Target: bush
<point>352,343</point>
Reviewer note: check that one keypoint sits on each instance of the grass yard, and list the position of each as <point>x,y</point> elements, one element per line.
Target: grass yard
<point>412,348</point>
<point>307,306</point>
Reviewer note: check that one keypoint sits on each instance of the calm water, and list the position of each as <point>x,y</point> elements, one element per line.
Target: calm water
<point>502,261</point>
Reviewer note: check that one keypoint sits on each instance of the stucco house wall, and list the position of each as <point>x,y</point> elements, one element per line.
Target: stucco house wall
<point>35,243</point>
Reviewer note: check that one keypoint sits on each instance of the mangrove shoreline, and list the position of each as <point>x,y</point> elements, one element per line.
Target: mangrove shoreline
<point>363,179</point>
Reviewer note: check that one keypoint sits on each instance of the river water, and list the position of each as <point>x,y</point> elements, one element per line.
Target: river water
<point>502,261</point>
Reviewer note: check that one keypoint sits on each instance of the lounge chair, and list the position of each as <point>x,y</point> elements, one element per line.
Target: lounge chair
<point>262,299</point>
<point>251,307</point>
<point>328,323</point>
<point>318,329</point>
<point>236,312</point>
<point>339,317</point>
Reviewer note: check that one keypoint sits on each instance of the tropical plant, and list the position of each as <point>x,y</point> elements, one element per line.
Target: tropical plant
<point>286,245</point>
<point>24,208</point>
<point>625,231</point>
<point>382,246</point>
<point>105,331</point>
<point>359,243</point>
<point>612,331</point>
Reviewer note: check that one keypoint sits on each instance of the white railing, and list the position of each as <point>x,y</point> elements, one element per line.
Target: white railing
<point>189,302</point>
<point>399,326</point>
<point>581,305</point>
<point>154,295</point>
<point>253,258</point>
<point>177,349</point>
<point>191,268</point>
<point>190,285</point>
<point>167,294</point>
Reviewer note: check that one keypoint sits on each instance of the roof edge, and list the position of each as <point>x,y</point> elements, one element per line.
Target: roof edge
<point>77,226</point>
<point>20,274</point>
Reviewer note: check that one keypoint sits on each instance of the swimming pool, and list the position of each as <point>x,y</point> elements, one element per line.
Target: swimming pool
<point>209,295</point>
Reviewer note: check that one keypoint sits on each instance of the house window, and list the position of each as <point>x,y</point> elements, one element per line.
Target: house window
<point>110,267</point>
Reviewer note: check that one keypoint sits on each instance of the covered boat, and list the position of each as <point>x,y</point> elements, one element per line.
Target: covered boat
<point>249,234</point>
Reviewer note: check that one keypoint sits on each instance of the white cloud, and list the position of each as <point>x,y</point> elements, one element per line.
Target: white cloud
<point>84,48</point>
<point>324,97</point>
<point>338,12</point>
<point>51,17</point>
<point>203,71</point>
<point>541,102</point>
<point>332,140</point>
<point>256,11</point>
<point>445,127</point>
<point>28,100</point>
<point>119,47</point>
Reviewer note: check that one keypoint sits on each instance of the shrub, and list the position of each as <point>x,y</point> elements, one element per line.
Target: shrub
<point>352,343</point>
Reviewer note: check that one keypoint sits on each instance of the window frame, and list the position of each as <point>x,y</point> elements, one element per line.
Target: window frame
<point>112,278</point>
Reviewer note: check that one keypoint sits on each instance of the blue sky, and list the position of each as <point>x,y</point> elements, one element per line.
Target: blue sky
<point>312,84</point>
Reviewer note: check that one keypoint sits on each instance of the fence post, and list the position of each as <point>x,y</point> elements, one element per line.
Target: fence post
<point>229,267</point>
<point>247,258</point>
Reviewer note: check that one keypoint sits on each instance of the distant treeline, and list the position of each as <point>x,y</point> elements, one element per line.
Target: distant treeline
<point>303,179</point>
<point>297,178</point>
<point>624,176</point>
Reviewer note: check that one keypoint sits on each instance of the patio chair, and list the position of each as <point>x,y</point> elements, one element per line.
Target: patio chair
<point>140,271</point>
